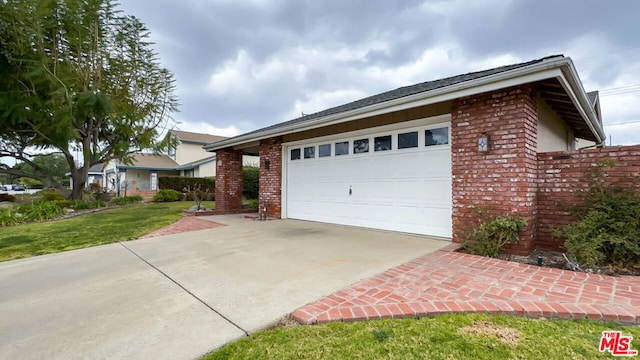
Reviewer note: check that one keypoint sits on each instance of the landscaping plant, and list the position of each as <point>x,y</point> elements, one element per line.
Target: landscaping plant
<point>125,200</point>
<point>492,233</point>
<point>608,230</point>
<point>41,210</point>
<point>166,195</point>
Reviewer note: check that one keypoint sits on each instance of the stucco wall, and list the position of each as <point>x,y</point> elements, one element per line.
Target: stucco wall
<point>206,170</point>
<point>553,133</point>
<point>186,153</point>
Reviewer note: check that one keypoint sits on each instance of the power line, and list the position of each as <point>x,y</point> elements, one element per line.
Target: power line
<point>624,123</point>
<point>608,53</point>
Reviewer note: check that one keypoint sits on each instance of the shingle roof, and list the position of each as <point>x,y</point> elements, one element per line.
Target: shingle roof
<point>399,93</point>
<point>199,138</point>
<point>151,161</point>
<point>96,168</point>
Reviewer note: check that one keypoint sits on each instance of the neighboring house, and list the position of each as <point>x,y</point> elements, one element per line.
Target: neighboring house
<point>185,158</point>
<point>420,158</point>
<point>95,176</point>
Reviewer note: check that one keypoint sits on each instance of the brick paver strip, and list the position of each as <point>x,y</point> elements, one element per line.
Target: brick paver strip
<point>185,224</point>
<point>446,281</point>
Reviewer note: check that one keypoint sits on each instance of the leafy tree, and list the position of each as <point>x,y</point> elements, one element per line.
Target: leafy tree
<point>54,165</point>
<point>78,76</point>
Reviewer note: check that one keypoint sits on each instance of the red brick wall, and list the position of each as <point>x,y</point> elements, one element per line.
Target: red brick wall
<point>503,178</point>
<point>270,192</point>
<point>561,174</point>
<point>228,180</point>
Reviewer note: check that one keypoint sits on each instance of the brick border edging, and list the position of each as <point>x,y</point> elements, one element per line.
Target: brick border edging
<point>423,309</point>
<point>217,212</point>
<point>332,308</point>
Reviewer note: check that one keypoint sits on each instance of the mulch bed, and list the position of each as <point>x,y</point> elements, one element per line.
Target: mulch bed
<point>554,259</point>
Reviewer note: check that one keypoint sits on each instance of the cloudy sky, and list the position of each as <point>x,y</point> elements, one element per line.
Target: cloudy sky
<point>245,64</point>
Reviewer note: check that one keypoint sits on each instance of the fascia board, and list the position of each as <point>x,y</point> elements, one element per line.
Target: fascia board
<point>541,71</point>
<point>572,85</point>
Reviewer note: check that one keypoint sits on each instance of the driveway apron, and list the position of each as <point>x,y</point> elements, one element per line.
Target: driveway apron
<point>183,295</point>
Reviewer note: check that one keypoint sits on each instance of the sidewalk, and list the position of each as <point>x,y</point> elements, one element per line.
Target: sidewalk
<point>446,281</point>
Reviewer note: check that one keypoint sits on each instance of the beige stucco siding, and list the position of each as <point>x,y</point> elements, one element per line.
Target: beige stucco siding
<point>553,133</point>
<point>206,170</point>
<point>186,153</point>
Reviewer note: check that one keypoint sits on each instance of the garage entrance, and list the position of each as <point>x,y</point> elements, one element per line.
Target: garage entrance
<point>387,178</point>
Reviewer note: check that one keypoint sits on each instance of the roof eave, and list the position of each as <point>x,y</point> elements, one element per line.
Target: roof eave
<point>581,101</point>
<point>546,69</point>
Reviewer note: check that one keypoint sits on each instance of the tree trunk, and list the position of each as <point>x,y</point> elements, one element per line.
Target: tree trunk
<point>79,178</point>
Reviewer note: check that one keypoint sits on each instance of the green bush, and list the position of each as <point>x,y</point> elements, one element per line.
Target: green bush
<point>53,195</point>
<point>41,210</point>
<point>10,216</point>
<point>492,233</point>
<point>254,204</point>
<point>127,200</point>
<point>166,195</point>
<point>608,229</point>
<point>250,185</point>
<point>183,184</point>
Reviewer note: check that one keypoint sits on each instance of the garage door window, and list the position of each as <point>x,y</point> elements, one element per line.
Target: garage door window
<point>360,146</point>
<point>382,143</point>
<point>310,152</point>
<point>342,148</point>
<point>439,136</point>
<point>295,154</point>
<point>324,150</point>
<point>408,140</point>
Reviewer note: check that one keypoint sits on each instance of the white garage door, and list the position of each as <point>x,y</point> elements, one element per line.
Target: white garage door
<point>396,180</point>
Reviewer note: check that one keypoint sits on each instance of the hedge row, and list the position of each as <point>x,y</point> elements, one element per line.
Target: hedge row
<point>181,184</point>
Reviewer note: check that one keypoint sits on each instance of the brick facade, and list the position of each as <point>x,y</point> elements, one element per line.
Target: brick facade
<point>562,174</point>
<point>270,192</point>
<point>228,180</point>
<point>503,178</point>
<point>510,175</point>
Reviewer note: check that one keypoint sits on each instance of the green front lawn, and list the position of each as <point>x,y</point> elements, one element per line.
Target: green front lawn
<point>455,336</point>
<point>103,227</point>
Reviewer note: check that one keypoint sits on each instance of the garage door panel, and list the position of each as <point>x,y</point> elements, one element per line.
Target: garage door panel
<point>405,190</point>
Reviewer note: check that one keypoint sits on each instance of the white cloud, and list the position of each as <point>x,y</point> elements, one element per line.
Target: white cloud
<point>205,128</point>
<point>322,100</point>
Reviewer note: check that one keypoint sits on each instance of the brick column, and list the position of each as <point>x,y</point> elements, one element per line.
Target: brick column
<point>228,180</point>
<point>270,192</point>
<point>503,178</point>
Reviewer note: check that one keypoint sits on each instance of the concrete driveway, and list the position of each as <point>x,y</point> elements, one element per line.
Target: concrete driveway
<point>181,296</point>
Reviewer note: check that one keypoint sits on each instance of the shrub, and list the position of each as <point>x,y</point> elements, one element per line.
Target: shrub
<point>53,195</point>
<point>182,184</point>
<point>41,210</point>
<point>608,229</point>
<point>250,184</point>
<point>127,200</point>
<point>10,216</point>
<point>166,195</point>
<point>254,204</point>
<point>80,204</point>
<point>492,233</point>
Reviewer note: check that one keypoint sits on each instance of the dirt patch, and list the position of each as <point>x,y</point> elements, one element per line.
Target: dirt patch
<point>507,335</point>
<point>285,322</point>
<point>557,260</point>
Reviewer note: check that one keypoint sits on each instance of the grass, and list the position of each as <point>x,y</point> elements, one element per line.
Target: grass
<point>104,227</point>
<point>453,336</point>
